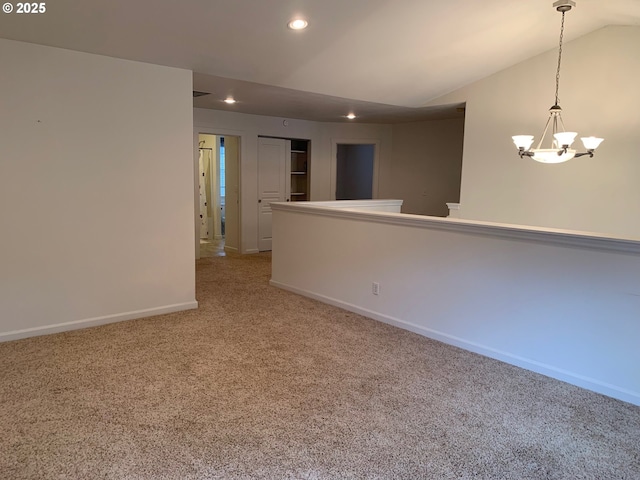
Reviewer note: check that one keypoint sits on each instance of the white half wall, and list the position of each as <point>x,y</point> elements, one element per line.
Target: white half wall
<point>599,96</point>
<point>390,205</point>
<point>96,190</point>
<point>563,304</point>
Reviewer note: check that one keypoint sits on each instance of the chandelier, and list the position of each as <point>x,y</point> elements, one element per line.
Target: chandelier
<point>559,149</point>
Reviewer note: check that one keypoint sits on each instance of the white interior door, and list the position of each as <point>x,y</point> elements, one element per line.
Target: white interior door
<point>272,162</point>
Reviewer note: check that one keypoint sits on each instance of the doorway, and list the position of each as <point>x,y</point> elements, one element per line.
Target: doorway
<point>283,175</point>
<point>355,171</point>
<point>217,211</point>
<point>272,184</point>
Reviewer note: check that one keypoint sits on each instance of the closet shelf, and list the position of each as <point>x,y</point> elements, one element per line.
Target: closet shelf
<point>298,169</point>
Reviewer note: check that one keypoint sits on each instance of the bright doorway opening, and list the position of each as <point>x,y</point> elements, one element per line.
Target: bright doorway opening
<point>217,212</point>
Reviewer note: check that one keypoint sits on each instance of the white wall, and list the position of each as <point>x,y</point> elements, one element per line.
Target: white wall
<point>427,164</point>
<point>563,305</point>
<point>322,163</point>
<point>96,190</point>
<point>599,95</point>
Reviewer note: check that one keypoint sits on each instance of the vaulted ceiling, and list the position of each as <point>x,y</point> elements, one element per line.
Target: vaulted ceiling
<point>383,59</point>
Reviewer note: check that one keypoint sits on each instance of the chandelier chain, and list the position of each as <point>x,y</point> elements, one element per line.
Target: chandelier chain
<point>559,57</point>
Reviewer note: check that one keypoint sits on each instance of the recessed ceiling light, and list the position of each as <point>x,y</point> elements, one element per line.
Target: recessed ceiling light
<point>298,24</point>
<point>351,116</point>
<point>229,100</point>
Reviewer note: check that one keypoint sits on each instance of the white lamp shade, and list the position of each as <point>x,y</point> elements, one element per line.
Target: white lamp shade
<point>523,141</point>
<point>591,143</point>
<point>565,138</point>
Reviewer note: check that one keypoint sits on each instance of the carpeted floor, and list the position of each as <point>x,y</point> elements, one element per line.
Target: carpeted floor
<point>261,383</point>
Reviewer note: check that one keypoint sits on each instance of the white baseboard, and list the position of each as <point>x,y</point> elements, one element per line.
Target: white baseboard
<point>230,249</point>
<point>528,364</point>
<point>94,322</point>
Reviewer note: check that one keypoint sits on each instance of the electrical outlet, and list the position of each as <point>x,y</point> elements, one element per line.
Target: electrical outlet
<point>375,288</point>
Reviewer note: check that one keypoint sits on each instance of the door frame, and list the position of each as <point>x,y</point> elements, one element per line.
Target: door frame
<point>355,141</point>
<point>197,130</point>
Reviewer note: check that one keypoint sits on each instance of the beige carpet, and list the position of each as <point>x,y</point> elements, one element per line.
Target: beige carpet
<point>261,383</point>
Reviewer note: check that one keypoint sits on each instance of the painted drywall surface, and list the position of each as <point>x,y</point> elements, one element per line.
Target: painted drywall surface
<point>322,165</point>
<point>96,189</point>
<point>599,96</point>
<point>208,141</point>
<point>571,313</point>
<point>427,164</point>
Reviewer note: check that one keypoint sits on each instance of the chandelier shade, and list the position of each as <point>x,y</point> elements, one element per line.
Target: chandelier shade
<point>558,150</point>
<point>564,138</point>
<point>523,141</point>
<point>591,143</point>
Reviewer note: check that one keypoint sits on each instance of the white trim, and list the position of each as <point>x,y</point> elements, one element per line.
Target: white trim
<point>528,364</point>
<point>472,227</point>
<point>355,141</point>
<point>230,249</point>
<point>372,204</point>
<point>196,196</point>
<point>95,321</point>
<point>454,210</point>
<point>224,132</point>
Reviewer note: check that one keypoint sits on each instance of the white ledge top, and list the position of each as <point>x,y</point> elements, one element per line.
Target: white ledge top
<point>353,210</point>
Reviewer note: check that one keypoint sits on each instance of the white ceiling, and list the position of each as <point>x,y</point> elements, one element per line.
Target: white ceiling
<point>384,59</point>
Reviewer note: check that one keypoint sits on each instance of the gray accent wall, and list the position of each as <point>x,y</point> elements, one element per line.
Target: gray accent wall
<point>427,164</point>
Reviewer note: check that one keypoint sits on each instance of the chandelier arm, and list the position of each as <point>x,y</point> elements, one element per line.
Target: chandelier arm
<point>561,123</point>
<point>561,148</point>
<point>546,127</point>
<point>582,154</point>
